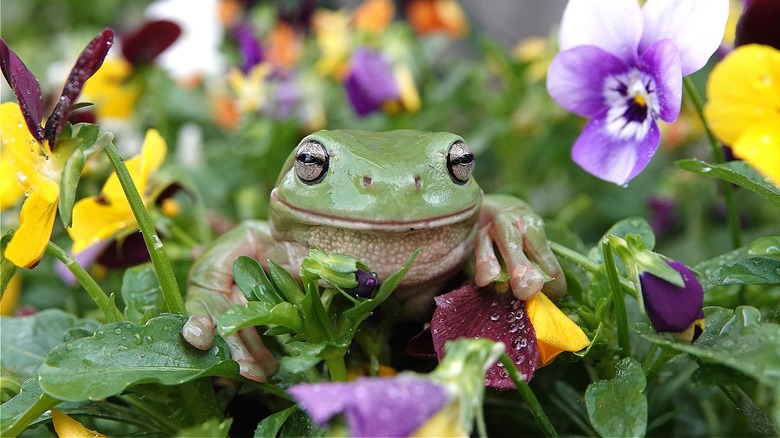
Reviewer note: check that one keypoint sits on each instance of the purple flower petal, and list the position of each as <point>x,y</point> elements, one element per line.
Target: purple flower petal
<point>85,259</point>
<point>694,26</point>
<point>472,312</point>
<point>662,62</point>
<point>576,77</point>
<point>672,308</point>
<point>144,44</point>
<point>251,51</point>
<point>615,27</point>
<point>370,82</point>
<point>26,89</point>
<point>88,63</point>
<point>395,406</point>
<point>611,158</point>
<point>759,24</point>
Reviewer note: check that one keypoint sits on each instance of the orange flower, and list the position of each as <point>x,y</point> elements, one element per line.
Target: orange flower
<point>373,15</point>
<point>428,16</point>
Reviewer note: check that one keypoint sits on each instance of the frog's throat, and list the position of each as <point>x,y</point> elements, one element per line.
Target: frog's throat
<point>309,217</point>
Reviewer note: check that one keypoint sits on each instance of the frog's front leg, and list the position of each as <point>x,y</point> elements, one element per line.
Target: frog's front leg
<point>211,292</point>
<point>519,235</point>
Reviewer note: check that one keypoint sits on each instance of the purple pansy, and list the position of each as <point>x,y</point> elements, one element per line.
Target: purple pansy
<point>370,81</point>
<point>472,312</point>
<point>622,67</point>
<point>251,51</point>
<point>672,308</point>
<point>387,406</point>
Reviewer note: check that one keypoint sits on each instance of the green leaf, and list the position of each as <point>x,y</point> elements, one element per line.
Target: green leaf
<point>211,428</point>
<point>623,228</point>
<point>16,414</point>
<point>124,354</point>
<point>7,269</point>
<point>299,424</point>
<point>709,266</point>
<point>749,270</point>
<point>285,283</point>
<point>766,246</point>
<point>252,281</point>
<point>272,424</point>
<point>735,172</point>
<point>141,293</point>
<point>260,313</point>
<point>618,407</point>
<point>303,355</point>
<point>736,339</point>
<point>25,341</point>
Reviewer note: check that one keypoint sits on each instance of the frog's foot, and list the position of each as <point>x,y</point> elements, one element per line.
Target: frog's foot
<point>519,236</point>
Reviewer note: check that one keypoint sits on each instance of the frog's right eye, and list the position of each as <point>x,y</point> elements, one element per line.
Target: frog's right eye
<point>311,162</point>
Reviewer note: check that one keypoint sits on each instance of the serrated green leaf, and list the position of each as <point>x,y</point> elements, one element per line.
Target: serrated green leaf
<point>124,354</point>
<point>141,293</point>
<point>19,412</point>
<point>272,424</point>
<point>735,172</point>
<point>25,341</point>
<point>618,407</point>
<point>749,270</point>
<point>252,281</point>
<point>260,313</point>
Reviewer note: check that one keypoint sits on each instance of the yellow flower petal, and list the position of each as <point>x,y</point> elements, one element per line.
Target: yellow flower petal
<point>110,89</point>
<point>744,90</point>
<point>759,146</point>
<point>446,422</point>
<point>35,223</point>
<point>95,220</point>
<point>19,144</point>
<point>10,189</point>
<point>555,332</point>
<point>11,295</point>
<point>67,427</point>
<point>151,157</point>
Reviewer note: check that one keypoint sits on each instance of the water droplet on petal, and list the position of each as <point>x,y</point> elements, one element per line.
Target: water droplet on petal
<point>494,316</point>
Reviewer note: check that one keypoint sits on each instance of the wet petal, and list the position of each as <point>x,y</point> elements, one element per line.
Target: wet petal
<point>144,44</point>
<point>613,159</point>
<point>26,89</point>
<point>374,406</point>
<point>95,220</point>
<point>615,27</point>
<point>66,426</point>
<point>672,308</point>
<point>472,312</point>
<point>555,332</point>
<point>35,224</point>
<point>695,26</point>
<point>85,259</point>
<point>759,146</point>
<point>10,190</point>
<point>743,90</point>
<point>18,145</point>
<point>662,62</point>
<point>576,78</point>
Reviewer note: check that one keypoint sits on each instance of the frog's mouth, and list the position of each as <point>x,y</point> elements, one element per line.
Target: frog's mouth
<point>310,217</point>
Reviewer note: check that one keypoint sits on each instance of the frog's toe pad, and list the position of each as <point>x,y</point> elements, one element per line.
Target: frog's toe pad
<point>199,331</point>
<point>251,370</point>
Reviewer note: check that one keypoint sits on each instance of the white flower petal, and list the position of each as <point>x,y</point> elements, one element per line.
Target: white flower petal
<point>615,26</point>
<point>695,26</point>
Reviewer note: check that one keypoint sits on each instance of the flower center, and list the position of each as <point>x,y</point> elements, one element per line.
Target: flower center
<point>633,104</point>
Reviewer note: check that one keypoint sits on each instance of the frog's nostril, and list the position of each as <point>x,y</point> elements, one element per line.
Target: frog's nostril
<point>418,183</point>
<point>366,181</point>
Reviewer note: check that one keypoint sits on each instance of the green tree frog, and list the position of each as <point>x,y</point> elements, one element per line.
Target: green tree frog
<point>377,196</point>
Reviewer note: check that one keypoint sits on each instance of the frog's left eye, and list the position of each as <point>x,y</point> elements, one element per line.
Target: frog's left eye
<point>460,162</point>
<point>311,162</point>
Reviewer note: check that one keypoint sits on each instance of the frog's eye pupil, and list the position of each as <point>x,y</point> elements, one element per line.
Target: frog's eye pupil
<point>460,162</point>
<point>311,162</point>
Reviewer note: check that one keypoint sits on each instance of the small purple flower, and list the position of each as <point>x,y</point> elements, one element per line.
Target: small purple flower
<point>370,81</point>
<point>251,51</point>
<point>368,282</point>
<point>672,308</point>
<point>395,406</point>
<point>622,67</point>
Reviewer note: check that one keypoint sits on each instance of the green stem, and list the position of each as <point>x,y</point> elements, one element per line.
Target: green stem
<point>528,396</point>
<point>748,408</point>
<point>720,158</point>
<point>618,300</point>
<point>94,290</point>
<point>337,369</point>
<point>584,262</point>
<point>154,245</point>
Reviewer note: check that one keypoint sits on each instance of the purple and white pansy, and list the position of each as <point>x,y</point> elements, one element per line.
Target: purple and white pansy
<point>622,66</point>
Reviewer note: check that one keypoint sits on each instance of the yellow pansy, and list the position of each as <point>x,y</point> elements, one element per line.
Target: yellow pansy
<point>112,90</point>
<point>743,107</point>
<point>334,39</point>
<point>108,215</point>
<point>67,427</point>
<point>250,89</point>
<point>10,190</point>
<point>38,172</point>
<point>555,332</point>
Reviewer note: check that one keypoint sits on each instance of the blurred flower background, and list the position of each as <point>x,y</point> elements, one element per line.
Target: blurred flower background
<point>206,99</point>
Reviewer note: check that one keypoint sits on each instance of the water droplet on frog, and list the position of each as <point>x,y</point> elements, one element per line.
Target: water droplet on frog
<point>494,316</point>
<point>118,331</point>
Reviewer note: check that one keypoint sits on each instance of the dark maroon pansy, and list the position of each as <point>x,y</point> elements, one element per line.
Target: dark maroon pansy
<point>144,44</point>
<point>473,312</point>
<point>28,92</point>
<point>130,251</point>
<point>672,308</point>
<point>759,24</point>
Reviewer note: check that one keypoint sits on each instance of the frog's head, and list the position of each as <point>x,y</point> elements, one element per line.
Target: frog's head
<point>388,181</point>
